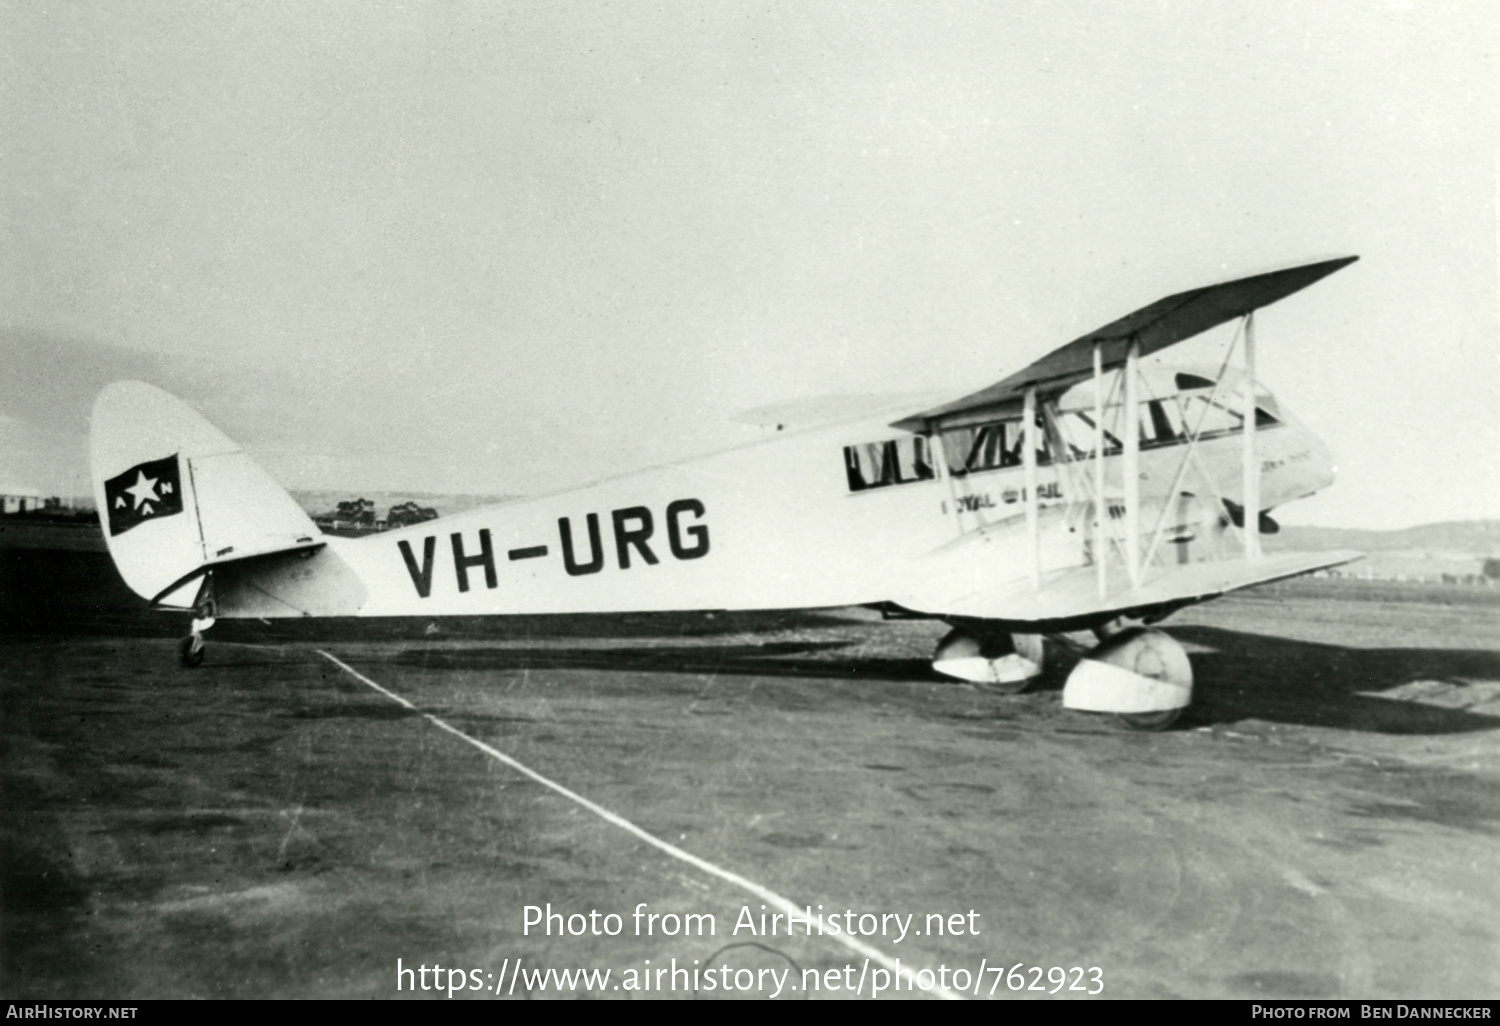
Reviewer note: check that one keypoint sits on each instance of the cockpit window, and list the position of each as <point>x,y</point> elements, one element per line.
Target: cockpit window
<point>1219,417</point>
<point>1226,412</point>
<point>1163,423</point>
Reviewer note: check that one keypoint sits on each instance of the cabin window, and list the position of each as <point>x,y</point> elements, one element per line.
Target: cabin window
<point>1077,430</point>
<point>991,447</point>
<point>968,450</point>
<point>892,462</point>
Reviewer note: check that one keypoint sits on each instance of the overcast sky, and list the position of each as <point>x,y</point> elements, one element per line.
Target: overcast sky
<point>505,247</point>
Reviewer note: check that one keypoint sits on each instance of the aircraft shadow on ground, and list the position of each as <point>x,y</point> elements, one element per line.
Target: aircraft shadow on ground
<point>1239,677</point>
<point>1251,676</point>
<point>130,618</point>
<point>538,627</point>
<point>811,659</point>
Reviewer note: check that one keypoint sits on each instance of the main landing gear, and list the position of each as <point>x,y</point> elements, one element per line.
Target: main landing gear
<point>1005,662</point>
<point>1138,673</point>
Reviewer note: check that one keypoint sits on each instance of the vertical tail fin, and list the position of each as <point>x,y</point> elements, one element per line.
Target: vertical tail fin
<point>176,496</point>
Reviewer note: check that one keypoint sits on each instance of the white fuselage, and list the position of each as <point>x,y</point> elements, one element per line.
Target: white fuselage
<point>777,524</point>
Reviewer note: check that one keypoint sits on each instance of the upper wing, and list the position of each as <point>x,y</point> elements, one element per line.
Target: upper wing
<point>1162,324</point>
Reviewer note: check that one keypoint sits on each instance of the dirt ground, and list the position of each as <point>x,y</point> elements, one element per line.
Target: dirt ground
<point>1323,824</point>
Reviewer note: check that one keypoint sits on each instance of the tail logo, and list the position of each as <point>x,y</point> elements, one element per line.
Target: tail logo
<point>147,491</point>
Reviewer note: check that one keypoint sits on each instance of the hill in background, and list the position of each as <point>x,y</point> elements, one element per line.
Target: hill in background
<point>1480,537</point>
<point>1457,548</point>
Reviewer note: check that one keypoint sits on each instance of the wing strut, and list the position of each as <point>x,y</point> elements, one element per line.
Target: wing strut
<point>1251,467</point>
<point>938,454</point>
<point>1101,506</point>
<point>1028,443</point>
<point>1132,462</point>
<point>1190,458</point>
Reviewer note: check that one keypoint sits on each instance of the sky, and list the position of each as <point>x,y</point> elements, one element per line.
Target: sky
<point>503,248</point>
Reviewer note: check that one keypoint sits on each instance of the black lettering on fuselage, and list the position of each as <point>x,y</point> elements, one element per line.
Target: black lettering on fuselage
<point>698,532</point>
<point>637,536</point>
<point>486,559</point>
<point>634,527</point>
<point>421,579</point>
<point>596,549</point>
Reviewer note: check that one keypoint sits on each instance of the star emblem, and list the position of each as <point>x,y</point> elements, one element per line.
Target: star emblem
<point>144,490</point>
<point>147,491</point>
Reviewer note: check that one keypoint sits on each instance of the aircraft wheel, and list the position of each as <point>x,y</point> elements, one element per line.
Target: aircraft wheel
<point>1151,721</point>
<point>1140,675</point>
<point>190,651</point>
<point>1005,664</point>
<point>1154,655</point>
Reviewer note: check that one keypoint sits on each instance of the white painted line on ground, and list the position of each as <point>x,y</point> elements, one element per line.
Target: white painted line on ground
<point>764,893</point>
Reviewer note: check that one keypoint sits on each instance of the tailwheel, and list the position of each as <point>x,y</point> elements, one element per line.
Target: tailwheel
<point>1141,675</point>
<point>1006,663</point>
<point>190,650</point>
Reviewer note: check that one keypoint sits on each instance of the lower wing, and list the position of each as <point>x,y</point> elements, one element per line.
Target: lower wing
<point>1069,599</point>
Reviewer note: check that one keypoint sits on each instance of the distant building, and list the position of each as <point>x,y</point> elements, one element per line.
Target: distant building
<point>17,499</point>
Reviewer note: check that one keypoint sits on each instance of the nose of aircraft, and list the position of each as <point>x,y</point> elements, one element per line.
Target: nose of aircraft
<point>1303,464</point>
<point>1323,466</point>
<point>1314,472</point>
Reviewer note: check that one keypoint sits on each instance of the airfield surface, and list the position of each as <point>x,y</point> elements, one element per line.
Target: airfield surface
<point>1326,822</point>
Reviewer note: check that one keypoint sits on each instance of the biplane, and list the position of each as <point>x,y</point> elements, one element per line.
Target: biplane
<point>1088,491</point>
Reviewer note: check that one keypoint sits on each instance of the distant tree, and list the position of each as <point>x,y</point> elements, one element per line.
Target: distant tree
<point>357,511</point>
<point>1492,569</point>
<point>409,513</point>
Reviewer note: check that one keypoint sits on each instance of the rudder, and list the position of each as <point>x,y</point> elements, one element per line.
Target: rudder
<point>176,496</point>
